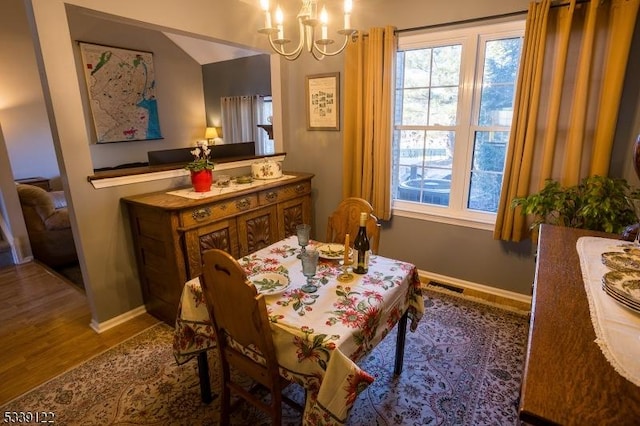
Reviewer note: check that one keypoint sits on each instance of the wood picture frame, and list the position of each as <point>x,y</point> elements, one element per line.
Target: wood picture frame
<point>323,101</point>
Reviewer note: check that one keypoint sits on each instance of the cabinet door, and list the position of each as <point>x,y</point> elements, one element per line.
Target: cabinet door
<point>257,229</point>
<point>160,261</point>
<point>221,235</point>
<point>292,213</point>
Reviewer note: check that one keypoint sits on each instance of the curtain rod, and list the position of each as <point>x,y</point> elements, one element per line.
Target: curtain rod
<point>483,18</point>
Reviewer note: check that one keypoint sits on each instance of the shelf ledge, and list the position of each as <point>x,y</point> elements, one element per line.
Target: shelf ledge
<point>109,182</point>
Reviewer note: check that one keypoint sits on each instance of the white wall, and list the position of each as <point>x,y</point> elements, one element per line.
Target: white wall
<point>26,128</point>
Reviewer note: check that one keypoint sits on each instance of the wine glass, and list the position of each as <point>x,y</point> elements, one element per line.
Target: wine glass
<point>302,231</point>
<point>309,265</point>
<point>635,204</point>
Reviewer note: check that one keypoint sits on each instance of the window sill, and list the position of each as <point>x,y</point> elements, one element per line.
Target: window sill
<point>447,217</point>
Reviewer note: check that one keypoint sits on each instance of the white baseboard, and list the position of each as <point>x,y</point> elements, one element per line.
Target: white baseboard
<point>106,325</point>
<point>426,276</point>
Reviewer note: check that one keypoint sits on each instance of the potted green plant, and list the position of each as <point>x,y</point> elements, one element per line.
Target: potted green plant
<point>201,167</point>
<point>597,203</point>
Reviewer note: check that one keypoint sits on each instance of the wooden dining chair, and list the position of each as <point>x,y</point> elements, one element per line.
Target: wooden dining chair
<point>239,317</point>
<point>346,219</point>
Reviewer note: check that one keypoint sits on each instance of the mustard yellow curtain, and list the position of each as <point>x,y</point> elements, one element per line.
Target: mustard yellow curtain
<point>571,76</point>
<point>367,133</point>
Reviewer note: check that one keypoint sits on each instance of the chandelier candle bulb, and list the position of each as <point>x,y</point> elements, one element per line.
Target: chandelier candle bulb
<point>324,19</point>
<point>279,21</point>
<point>267,13</point>
<point>348,5</point>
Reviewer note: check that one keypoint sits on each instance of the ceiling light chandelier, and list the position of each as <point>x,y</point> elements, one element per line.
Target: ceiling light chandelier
<point>307,22</point>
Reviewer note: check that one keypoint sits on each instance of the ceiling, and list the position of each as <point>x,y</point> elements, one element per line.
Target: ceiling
<point>207,52</point>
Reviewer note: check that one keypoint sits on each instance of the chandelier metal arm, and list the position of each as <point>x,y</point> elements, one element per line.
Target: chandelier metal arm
<point>307,22</point>
<point>291,56</point>
<point>324,53</point>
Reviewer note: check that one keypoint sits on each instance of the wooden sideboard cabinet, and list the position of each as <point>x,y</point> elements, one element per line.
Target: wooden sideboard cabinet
<point>566,379</point>
<point>171,232</point>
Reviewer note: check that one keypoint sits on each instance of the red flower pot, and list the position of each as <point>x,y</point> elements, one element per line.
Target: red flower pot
<point>201,180</point>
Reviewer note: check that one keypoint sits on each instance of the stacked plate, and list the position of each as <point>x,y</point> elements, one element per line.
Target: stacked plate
<point>622,283</point>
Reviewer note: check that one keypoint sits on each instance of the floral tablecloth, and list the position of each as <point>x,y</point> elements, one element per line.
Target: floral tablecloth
<point>318,336</point>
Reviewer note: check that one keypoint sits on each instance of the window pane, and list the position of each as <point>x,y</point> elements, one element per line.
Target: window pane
<point>500,71</point>
<point>484,193</point>
<point>415,107</point>
<point>501,60</point>
<point>424,172</point>
<point>489,153</point>
<point>446,66</point>
<point>267,113</point>
<point>443,106</point>
<point>417,68</point>
<point>411,148</point>
<point>417,104</point>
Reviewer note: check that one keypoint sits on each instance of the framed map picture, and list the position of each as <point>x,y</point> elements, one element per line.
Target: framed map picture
<point>122,93</point>
<point>323,101</point>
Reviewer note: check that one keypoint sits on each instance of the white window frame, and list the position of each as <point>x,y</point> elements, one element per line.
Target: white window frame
<point>471,39</point>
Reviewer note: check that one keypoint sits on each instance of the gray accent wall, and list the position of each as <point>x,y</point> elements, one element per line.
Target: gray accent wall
<point>238,77</point>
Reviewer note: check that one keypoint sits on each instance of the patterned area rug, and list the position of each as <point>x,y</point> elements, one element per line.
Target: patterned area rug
<point>462,366</point>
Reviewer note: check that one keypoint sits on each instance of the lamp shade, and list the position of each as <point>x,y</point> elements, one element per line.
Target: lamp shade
<point>211,133</point>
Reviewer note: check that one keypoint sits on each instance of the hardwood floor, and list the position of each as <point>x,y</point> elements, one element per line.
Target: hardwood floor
<point>44,328</point>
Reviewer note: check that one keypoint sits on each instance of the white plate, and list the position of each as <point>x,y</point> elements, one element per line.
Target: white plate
<point>270,283</point>
<point>625,284</point>
<point>332,251</point>
<point>615,296</point>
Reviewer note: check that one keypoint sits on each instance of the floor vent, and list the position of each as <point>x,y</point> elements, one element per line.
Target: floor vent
<point>447,286</point>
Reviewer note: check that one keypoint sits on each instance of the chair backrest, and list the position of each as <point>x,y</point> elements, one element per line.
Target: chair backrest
<point>238,312</point>
<point>36,203</point>
<point>346,219</point>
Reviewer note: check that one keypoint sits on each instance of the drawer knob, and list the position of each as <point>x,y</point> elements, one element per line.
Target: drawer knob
<point>272,196</point>
<point>243,204</point>
<point>201,214</point>
<point>299,188</point>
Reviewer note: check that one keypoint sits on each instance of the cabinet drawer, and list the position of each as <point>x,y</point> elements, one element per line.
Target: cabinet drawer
<point>288,192</point>
<point>208,213</point>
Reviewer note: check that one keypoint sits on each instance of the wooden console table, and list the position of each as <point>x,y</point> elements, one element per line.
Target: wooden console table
<point>170,232</point>
<point>567,379</point>
<point>36,181</point>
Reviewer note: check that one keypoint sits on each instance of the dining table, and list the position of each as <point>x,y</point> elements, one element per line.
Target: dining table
<point>319,337</point>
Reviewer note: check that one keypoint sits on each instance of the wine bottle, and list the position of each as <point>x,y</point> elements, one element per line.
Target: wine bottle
<point>361,245</point>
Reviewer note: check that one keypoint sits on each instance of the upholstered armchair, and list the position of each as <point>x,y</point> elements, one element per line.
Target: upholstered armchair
<point>47,220</point>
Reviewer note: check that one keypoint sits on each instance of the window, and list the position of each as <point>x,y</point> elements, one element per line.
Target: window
<point>453,107</point>
<point>266,117</point>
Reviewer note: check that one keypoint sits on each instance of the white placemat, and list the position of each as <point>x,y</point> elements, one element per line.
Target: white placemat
<point>617,327</point>
<point>190,193</point>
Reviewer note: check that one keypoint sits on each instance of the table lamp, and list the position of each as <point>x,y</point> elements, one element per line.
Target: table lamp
<point>211,135</point>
